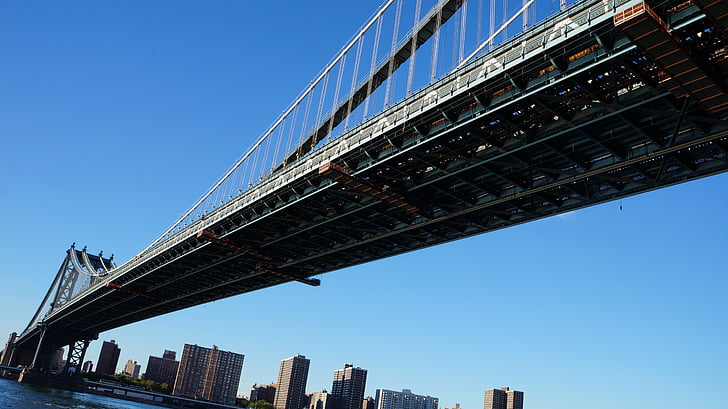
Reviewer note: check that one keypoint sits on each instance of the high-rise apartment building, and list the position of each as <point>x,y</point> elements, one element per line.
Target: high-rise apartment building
<point>108,358</point>
<point>369,403</point>
<point>208,373</point>
<point>320,400</point>
<point>132,369</point>
<point>388,399</point>
<point>514,399</point>
<point>292,377</point>
<point>347,392</point>
<point>265,393</point>
<point>164,369</point>
<point>503,398</point>
<point>88,366</point>
<point>57,361</point>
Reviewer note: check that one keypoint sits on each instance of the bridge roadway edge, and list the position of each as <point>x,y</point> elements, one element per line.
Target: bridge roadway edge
<point>364,170</point>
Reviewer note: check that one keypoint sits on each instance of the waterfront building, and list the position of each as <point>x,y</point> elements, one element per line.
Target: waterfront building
<point>292,377</point>
<point>369,403</point>
<point>8,350</point>
<point>503,398</point>
<point>208,373</point>
<point>132,369</point>
<point>265,393</point>
<point>57,361</point>
<point>320,400</point>
<point>108,358</point>
<point>514,399</point>
<point>88,366</point>
<point>164,369</point>
<point>347,391</point>
<point>388,399</point>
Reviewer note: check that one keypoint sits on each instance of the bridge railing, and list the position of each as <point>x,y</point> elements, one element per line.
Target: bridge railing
<point>346,93</point>
<point>474,74</point>
<point>547,34</point>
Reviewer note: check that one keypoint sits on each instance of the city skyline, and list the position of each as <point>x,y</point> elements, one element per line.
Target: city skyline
<point>157,104</point>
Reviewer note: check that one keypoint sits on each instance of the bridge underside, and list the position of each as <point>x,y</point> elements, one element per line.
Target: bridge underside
<point>589,122</point>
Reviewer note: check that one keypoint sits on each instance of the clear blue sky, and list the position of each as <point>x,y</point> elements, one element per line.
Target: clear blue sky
<point>116,116</point>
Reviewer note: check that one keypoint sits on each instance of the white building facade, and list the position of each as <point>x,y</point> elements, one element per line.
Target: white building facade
<point>388,399</point>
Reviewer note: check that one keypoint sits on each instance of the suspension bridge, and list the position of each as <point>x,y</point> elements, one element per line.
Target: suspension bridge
<point>435,122</point>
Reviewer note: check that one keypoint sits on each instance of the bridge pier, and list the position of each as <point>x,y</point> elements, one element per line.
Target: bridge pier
<point>39,370</point>
<point>59,381</point>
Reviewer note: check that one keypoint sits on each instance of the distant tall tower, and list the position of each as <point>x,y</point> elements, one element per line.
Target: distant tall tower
<point>210,374</point>
<point>108,358</point>
<point>514,399</point>
<point>503,398</point>
<point>347,392</point>
<point>292,379</point>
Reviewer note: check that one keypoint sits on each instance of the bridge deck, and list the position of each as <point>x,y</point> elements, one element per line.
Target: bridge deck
<point>568,115</point>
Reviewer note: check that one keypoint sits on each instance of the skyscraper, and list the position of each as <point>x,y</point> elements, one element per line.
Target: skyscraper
<point>164,369</point>
<point>514,399</point>
<point>387,399</point>
<point>88,366</point>
<point>347,392</point>
<point>503,398</point>
<point>108,358</point>
<point>292,379</point>
<point>210,374</point>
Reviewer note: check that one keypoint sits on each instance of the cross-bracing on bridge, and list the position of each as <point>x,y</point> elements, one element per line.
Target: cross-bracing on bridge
<point>577,111</point>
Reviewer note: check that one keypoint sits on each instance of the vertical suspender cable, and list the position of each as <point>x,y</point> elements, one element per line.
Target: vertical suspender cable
<point>505,13</point>
<point>395,33</point>
<point>455,41</point>
<point>304,125</point>
<point>479,31</point>
<point>463,23</point>
<point>265,135</point>
<point>373,65</point>
<point>335,102</point>
<point>491,23</point>
<point>355,75</point>
<point>490,39</point>
<point>319,111</point>
<point>435,46</point>
<point>281,135</point>
<point>265,156</point>
<point>411,73</point>
<point>292,132</point>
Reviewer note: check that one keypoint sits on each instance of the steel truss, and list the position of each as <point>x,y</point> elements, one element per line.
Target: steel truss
<point>592,120</point>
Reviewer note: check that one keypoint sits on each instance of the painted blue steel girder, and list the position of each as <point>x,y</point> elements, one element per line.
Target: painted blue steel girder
<point>589,120</point>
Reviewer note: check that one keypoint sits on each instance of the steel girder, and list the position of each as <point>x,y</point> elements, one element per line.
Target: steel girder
<point>589,122</point>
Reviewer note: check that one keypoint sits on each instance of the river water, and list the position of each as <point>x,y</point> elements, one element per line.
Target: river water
<point>14,395</point>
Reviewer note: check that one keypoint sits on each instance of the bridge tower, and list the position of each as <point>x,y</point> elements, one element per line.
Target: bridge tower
<point>35,347</point>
